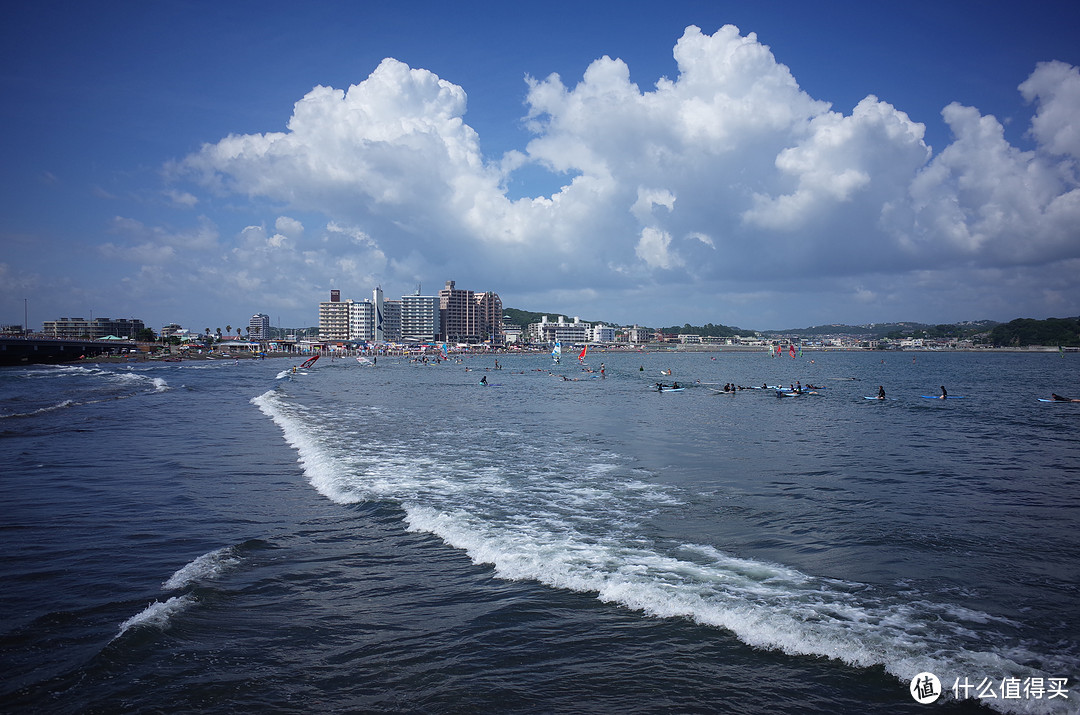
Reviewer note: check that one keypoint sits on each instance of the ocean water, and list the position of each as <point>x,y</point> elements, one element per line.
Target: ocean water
<point>237,537</point>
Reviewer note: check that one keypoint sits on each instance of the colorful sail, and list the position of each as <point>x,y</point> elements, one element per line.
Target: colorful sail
<point>581,355</point>
<point>791,350</point>
<point>557,350</point>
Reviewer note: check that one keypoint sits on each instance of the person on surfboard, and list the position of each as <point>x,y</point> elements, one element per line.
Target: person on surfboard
<point>881,392</point>
<point>1058,398</point>
<point>944,393</point>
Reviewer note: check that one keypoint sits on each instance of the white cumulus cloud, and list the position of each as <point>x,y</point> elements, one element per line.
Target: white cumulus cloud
<point>727,166</point>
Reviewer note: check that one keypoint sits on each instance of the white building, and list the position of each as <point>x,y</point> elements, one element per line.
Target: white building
<point>603,334</point>
<point>334,318</point>
<point>560,331</point>
<point>420,320</point>
<point>361,320</point>
<point>636,335</point>
<point>259,327</point>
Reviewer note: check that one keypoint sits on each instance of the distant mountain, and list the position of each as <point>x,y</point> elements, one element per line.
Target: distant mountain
<point>869,331</point>
<point>707,330</point>
<point>877,331</point>
<point>1027,331</point>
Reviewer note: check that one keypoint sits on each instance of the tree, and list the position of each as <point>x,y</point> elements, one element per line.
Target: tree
<point>228,329</point>
<point>146,335</point>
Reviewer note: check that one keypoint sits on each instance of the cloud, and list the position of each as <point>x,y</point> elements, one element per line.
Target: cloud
<point>181,198</point>
<point>289,227</point>
<point>1055,87</point>
<point>727,166</point>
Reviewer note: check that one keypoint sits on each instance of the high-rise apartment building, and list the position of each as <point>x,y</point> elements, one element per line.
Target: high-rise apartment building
<point>490,312</point>
<point>459,320</point>
<point>469,317</point>
<point>391,312</point>
<point>454,315</point>
<point>361,320</point>
<point>334,318</point>
<point>420,321</point>
<point>259,327</point>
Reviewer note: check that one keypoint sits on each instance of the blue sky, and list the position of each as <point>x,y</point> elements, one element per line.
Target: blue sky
<point>765,165</point>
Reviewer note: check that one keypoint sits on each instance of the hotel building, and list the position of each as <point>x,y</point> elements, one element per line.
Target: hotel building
<point>92,329</point>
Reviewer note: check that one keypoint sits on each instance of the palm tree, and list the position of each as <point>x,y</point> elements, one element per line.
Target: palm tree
<point>228,329</point>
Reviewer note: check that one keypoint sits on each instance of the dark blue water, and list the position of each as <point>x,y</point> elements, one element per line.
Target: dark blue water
<point>230,537</point>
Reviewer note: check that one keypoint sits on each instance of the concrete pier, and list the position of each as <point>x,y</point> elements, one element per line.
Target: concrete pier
<point>31,351</point>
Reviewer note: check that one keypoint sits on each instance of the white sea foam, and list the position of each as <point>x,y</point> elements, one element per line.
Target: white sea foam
<point>321,470</point>
<point>209,566</point>
<point>765,605</point>
<point>157,614</point>
<point>42,410</point>
<point>569,518</point>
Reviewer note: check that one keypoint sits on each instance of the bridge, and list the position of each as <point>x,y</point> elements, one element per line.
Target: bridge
<point>31,351</point>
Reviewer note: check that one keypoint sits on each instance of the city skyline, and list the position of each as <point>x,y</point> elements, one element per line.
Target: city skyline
<point>764,167</point>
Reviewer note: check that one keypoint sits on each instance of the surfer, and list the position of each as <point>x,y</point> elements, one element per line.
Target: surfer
<point>944,393</point>
<point>1058,398</point>
<point>483,380</point>
<point>881,392</point>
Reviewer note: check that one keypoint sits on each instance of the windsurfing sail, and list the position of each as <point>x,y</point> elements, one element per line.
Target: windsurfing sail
<point>581,355</point>
<point>310,361</point>
<point>445,352</point>
<point>791,350</point>
<point>557,350</point>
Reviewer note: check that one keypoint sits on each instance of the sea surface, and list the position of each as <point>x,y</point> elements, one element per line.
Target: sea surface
<point>223,536</point>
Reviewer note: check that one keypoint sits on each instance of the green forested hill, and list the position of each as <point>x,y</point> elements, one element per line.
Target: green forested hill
<point>1028,331</point>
